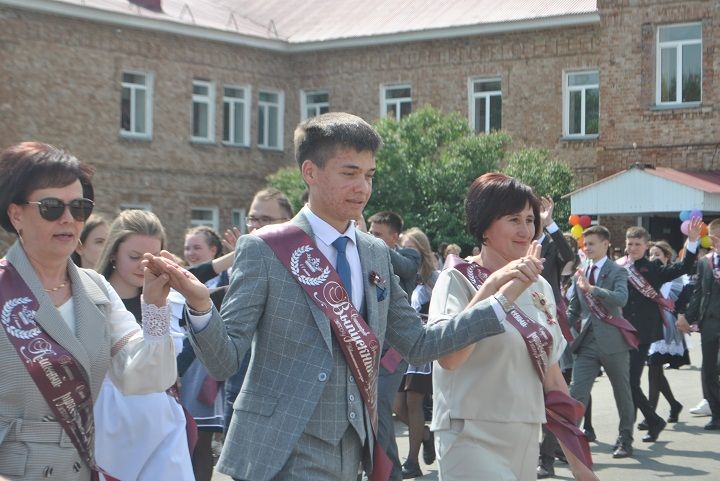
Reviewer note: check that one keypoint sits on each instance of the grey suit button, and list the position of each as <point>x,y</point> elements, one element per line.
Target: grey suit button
<point>352,397</point>
<point>351,379</point>
<point>352,415</point>
<point>322,377</point>
<point>47,472</point>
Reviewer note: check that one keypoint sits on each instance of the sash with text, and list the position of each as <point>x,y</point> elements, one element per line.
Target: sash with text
<point>643,286</point>
<point>627,330</point>
<point>321,282</point>
<point>562,411</point>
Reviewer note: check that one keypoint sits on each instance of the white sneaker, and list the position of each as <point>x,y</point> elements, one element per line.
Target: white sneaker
<point>702,409</point>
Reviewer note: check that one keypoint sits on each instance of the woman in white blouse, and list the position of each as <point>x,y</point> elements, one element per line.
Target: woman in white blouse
<point>65,328</point>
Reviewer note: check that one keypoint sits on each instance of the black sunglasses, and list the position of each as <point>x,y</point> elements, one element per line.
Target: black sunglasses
<point>52,208</point>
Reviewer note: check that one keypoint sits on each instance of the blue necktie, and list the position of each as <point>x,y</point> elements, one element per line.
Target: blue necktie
<point>342,266</point>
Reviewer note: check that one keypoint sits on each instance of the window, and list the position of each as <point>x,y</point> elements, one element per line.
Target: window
<point>679,64</point>
<point>236,115</point>
<point>203,111</point>
<point>395,101</point>
<point>314,103</point>
<point>582,104</point>
<point>485,105</point>
<point>238,220</point>
<point>270,119</point>
<point>204,216</point>
<point>136,105</point>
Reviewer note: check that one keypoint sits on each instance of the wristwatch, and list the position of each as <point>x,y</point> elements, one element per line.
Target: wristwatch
<point>502,300</point>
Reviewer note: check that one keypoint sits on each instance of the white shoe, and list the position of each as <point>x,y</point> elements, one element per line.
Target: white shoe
<point>702,409</point>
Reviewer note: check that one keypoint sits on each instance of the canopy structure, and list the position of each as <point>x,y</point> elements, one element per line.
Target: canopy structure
<point>646,190</point>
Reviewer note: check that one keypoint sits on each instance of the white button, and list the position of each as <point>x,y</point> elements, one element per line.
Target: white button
<point>352,397</point>
<point>352,415</point>
<point>322,377</point>
<point>351,379</point>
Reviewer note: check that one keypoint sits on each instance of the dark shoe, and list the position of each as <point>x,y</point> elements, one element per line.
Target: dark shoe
<point>411,470</point>
<point>654,430</point>
<point>623,450</point>
<point>544,472</point>
<point>428,446</point>
<point>643,425</point>
<point>590,435</point>
<point>675,412</point>
<point>560,456</point>
<point>713,425</point>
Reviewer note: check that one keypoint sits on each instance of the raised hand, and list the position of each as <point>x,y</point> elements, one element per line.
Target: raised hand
<point>156,287</point>
<point>230,238</point>
<point>195,292</point>
<point>525,271</point>
<point>694,230</point>
<point>581,281</point>
<point>547,206</point>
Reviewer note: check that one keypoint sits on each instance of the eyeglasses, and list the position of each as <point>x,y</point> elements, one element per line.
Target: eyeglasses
<point>251,220</point>
<point>52,208</point>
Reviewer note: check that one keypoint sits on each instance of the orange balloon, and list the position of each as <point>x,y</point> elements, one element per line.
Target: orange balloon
<point>581,242</point>
<point>703,229</point>
<point>574,219</point>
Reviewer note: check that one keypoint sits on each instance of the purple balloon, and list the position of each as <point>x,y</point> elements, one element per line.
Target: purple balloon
<point>696,213</point>
<point>685,227</point>
<point>684,215</point>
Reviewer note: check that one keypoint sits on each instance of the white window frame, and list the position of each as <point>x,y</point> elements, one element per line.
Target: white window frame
<point>396,101</point>
<point>208,100</point>
<point>475,96</point>
<point>129,206</point>
<point>678,44</point>
<point>239,215</point>
<point>148,87</point>
<point>235,103</point>
<point>304,104</point>
<point>265,105</point>
<point>215,222</point>
<point>566,103</point>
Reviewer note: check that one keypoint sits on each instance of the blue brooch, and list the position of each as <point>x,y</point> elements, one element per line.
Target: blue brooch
<point>379,283</point>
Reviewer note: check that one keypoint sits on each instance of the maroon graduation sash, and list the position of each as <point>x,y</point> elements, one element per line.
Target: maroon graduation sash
<point>361,349</point>
<point>561,411</point>
<point>643,286</point>
<point>627,330</point>
<point>55,372</point>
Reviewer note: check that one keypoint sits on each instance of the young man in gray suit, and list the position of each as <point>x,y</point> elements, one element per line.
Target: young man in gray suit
<point>299,414</point>
<point>601,343</point>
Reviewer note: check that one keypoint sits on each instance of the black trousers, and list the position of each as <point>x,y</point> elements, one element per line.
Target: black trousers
<point>710,343</point>
<point>638,359</point>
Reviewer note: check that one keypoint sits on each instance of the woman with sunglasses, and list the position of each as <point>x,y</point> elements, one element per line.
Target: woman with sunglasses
<point>65,328</point>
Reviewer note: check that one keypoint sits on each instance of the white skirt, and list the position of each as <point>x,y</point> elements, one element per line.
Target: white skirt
<point>141,437</point>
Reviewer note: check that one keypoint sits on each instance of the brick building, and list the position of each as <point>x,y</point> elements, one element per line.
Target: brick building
<point>185,106</point>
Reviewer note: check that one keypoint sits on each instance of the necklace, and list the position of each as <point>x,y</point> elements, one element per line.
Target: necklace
<point>58,287</point>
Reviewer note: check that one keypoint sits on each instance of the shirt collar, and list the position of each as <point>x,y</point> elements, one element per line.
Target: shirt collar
<point>600,263</point>
<point>324,231</point>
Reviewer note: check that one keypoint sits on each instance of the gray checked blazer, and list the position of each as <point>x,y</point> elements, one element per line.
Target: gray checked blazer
<point>31,447</point>
<point>612,291</point>
<point>292,348</point>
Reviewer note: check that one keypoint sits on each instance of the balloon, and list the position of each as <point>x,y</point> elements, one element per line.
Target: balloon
<point>581,242</point>
<point>685,227</point>
<point>695,213</point>
<point>706,242</point>
<point>684,215</point>
<point>704,230</point>
<point>585,221</point>
<point>576,231</point>
<point>574,219</point>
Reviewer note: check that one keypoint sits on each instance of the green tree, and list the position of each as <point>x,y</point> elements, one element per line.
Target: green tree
<point>546,175</point>
<point>290,182</point>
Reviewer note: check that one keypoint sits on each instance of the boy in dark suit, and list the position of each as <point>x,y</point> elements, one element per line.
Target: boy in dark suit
<point>643,307</point>
<point>704,310</point>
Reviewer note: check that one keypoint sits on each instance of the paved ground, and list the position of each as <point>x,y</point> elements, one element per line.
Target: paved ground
<point>684,451</point>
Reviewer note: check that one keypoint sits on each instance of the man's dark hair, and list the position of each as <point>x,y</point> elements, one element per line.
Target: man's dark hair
<point>318,138</point>
<point>389,218</point>
<point>637,232</point>
<point>601,231</point>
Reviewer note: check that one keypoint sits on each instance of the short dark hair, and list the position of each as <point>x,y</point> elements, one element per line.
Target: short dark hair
<point>388,218</point>
<point>637,232</point>
<point>601,231</point>
<point>494,195</point>
<point>271,193</point>
<point>318,138</point>
<point>29,166</point>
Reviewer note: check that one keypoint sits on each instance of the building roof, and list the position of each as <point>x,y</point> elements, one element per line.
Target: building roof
<point>308,22</point>
<point>649,190</point>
